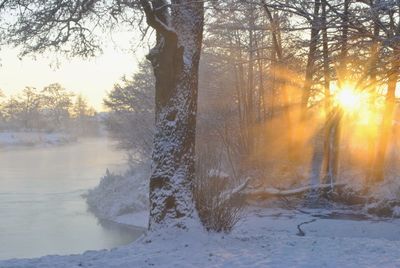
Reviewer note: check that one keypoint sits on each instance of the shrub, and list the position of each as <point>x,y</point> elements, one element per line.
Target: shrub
<point>219,208</point>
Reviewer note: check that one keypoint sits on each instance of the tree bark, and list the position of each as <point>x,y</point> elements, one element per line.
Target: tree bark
<point>387,122</point>
<point>333,130</point>
<point>334,121</point>
<point>315,27</point>
<point>378,169</point>
<point>321,150</point>
<point>342,72</point>
<point>261,93</point>
<point>373,65</point>
<point>325,53</point>
<point>250,86</point>
<point>175,60</point>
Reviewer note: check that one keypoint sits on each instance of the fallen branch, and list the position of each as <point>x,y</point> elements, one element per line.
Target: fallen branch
<point>267,192</point>
<point>225,196</point>
<point>240,187</point>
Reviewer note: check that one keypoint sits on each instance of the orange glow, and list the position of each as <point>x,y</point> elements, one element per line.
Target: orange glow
<point>350,99</point>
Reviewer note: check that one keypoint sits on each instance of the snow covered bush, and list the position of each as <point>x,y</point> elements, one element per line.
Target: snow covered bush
<point>219,209</point>
<point>385,197</point>
<point>117,195</point>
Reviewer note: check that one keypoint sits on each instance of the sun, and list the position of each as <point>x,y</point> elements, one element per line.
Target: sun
<point>349,99</point>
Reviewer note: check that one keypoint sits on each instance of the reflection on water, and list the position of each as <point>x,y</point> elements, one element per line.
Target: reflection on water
<point>41,206</point>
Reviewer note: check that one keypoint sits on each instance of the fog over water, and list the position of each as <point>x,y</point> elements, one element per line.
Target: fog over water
<point>41,205</point>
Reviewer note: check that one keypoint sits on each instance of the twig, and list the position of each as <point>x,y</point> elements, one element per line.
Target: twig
<point>301,232</point>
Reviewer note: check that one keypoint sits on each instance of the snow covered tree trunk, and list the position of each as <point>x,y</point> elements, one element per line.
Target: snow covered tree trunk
<point>175,60</point>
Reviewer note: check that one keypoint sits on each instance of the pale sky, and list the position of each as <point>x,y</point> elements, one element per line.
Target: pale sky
<point>92,77</point>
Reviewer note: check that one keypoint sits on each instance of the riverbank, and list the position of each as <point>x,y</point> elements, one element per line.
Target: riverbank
<point>41,205</point>
<point>30,139</point>
<point>122,198</point>
<point>267,237</point>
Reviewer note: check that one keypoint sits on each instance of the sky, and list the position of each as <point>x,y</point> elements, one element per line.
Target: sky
<point>90,77</point>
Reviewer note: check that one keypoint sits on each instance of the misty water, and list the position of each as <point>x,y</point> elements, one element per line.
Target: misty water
<point>41,206</point>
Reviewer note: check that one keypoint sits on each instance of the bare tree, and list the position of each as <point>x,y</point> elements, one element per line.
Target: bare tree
<point>56,101</point>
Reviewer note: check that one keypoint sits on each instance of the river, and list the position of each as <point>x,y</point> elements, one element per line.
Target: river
<point>42,210</point>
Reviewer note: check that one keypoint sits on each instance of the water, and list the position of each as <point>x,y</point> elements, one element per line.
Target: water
<point>41,206</point>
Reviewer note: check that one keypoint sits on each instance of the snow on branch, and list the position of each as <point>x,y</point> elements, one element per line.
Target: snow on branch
<point>269,191</point>
<point>225,196</point>
<point>155,22</point>
<point>266,192</point>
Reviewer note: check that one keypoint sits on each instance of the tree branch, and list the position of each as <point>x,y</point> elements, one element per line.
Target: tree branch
<point>268,192</point>
<point>154,22</point>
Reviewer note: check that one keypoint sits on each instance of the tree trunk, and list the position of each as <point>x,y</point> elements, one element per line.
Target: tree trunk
<point>242,98</point>
<point>372,71</point>
<point>261,98</point>
<point>250,87</point>
<point>317,158</point>
<point>175,60</point>
<point>277,47</point>
<point>342,72</point>
<point>333,131</point>
<point>327,80</point>
<point>387,122</point>
<point>325,52</point>
<point>315,27</point>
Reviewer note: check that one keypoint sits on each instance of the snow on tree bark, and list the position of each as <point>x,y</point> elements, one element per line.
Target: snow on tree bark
<point>175,60</point>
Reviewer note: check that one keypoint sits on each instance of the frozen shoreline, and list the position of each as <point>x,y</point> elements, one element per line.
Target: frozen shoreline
<point>266,238</point>
<point>122,198</point>
<point>32,139</point>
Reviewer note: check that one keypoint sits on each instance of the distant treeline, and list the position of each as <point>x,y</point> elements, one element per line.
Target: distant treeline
<point>51,109</point>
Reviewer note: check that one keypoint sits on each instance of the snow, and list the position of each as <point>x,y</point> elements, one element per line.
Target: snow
<point>11,139</point>
<point>217,173</point>
<point>302,189</point>
<point>139,219</point>
<point>265,238</point>
<point>122,198</point>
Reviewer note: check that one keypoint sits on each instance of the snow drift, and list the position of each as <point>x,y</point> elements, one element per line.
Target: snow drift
<point>117,197</point>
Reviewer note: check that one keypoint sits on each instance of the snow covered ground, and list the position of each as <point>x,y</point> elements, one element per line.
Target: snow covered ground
<point>11,139</point>
<point>122,198</point>
<point>267,237</point>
